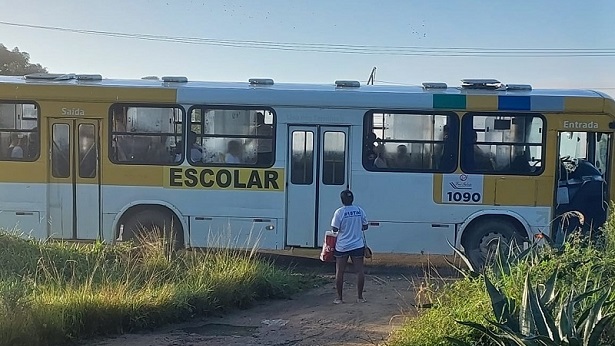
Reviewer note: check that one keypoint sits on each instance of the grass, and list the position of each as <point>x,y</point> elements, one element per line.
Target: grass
<point>580,267</point>
<point>57,293</point>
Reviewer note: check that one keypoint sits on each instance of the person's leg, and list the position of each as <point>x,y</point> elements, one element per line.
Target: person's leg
<point>357,263</point>
<point>340,267</point>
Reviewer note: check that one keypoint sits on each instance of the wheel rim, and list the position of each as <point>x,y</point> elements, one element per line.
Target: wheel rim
<point>488,245</point>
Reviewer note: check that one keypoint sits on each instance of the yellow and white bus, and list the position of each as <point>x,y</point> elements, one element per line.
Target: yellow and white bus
<point>82,157</point>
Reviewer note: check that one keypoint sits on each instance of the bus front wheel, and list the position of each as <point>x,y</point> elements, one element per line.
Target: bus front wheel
<point>151,225</point>
<point>483,238</point>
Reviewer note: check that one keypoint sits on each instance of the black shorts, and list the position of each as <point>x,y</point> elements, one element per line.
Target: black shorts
<point>360,252</point>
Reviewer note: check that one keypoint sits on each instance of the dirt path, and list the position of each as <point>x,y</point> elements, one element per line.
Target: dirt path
<point>309,318</point>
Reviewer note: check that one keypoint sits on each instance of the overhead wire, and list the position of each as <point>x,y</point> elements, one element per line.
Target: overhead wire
<point>343,48</point>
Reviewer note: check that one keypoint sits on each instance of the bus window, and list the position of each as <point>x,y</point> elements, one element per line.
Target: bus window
<point>19,137</point>
<point>146,135</point>
<point>334,158</point>
<point>238,136</point>
<point>413,142</point>
<point>499,143</point>
<point>87,151</point>
<point>589,146</point>
<point>60,151</point>
<point>302,163</point>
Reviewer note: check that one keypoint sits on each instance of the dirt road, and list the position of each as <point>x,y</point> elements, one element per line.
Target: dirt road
<point>310,318</point>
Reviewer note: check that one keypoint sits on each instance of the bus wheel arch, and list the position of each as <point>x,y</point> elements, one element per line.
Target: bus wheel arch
<point>150,215</point>
<point>479,234</point>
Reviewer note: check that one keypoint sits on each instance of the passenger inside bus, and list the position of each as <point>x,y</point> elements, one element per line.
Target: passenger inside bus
<point>474,158</point>
<point>33,144</point>
<point>447,158</point>
<point>233,154</point>
<point>401,159</point>
<point>196,152</point>
<point>15,149</point>
<point>379,161</point>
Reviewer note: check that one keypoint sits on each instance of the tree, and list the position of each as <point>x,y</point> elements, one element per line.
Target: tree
<point>16,63</point>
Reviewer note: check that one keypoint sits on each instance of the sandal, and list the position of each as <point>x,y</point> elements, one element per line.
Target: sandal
<point>361,300</point>
<point>337,301</point>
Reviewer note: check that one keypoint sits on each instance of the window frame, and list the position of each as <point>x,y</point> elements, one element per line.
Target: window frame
<point>465,133</point>
<point>111,133</point>
<point>368,128</point>
<point>234,107</point>
<point>38,127</point>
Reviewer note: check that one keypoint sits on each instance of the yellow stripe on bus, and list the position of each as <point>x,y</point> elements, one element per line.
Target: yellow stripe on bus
<point>225,178</point>
<point>77,93</point>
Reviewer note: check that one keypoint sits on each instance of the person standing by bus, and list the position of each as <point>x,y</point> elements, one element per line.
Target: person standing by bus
<point>349,222</point>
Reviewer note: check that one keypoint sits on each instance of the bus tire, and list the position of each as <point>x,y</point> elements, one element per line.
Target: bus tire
<point>480,242</point>
<point>153,221</point>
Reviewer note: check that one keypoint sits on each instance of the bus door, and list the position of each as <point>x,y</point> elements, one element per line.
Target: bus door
<point>583,175</point>
<point>74,179</point>
<point>318,166</point>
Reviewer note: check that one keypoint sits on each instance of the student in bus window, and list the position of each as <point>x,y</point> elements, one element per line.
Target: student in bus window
<point>401,158</point>
<point>379,161</point>
<point>196,152</point>
<point>482,161</point>
<point>15,150</point>
<point>233,154</point>
<point>33,143</point>
<point>447,160</point>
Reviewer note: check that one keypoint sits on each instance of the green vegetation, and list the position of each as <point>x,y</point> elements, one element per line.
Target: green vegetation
<point>546,295</point>
<point>54,293</point>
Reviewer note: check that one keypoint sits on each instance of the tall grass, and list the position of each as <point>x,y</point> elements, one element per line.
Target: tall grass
<point>55,293</point>
<point>581,267</point>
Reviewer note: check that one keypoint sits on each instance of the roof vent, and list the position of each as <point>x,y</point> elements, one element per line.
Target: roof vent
<point>174,79</point>
<point>260,81</point>
<point>89,77</point>
<point>518,87</point>
<point>434,85</point>
<point>45,76</point>
<point>347,84</point>
<point>481,84</point>
<point>150,78</point>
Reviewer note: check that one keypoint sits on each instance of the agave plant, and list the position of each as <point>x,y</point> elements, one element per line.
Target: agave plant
<point>543,318</point>
<point>505,258</point>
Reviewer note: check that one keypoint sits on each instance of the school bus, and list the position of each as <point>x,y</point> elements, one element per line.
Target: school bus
<point>85,158</point>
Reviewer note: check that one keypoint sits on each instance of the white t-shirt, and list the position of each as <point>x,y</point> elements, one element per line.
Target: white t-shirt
<point>349,220</point>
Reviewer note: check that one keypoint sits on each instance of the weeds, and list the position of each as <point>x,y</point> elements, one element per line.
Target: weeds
<point>492,307</point>
<point>56,293</point>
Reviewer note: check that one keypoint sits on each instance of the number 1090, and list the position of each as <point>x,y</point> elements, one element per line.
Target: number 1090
<point>463,197</point>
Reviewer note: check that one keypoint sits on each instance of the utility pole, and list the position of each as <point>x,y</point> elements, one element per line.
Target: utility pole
<point>372,77</point>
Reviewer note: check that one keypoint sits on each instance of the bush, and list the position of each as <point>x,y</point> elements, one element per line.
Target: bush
<point>54,293</point>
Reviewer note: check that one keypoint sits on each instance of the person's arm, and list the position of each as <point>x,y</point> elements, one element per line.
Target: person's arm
<point>364,220</point>
<point>336,221</point>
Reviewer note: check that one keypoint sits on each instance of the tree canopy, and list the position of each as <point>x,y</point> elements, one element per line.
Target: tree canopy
<point>17,63</point>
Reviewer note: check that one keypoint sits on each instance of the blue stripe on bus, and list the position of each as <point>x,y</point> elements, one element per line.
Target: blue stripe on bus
<point>514,103</point>
<point>547,103</point>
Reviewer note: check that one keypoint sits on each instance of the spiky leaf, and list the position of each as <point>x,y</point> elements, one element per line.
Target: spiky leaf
<point>485,331</point>
<point>591,320</point>
<point>526,323</point>
<point>499,302</point>
<point>538,315</point>
<point>465,259</point>
<point>598,329</point>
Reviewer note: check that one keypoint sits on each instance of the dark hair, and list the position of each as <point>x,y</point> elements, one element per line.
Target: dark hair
<point>347,197</point>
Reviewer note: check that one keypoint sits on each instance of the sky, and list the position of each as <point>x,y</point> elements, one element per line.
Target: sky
<point>424,25</point>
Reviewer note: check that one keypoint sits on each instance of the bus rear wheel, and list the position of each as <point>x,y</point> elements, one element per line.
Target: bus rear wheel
<point>152,225</point>
<point>485,236</point>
